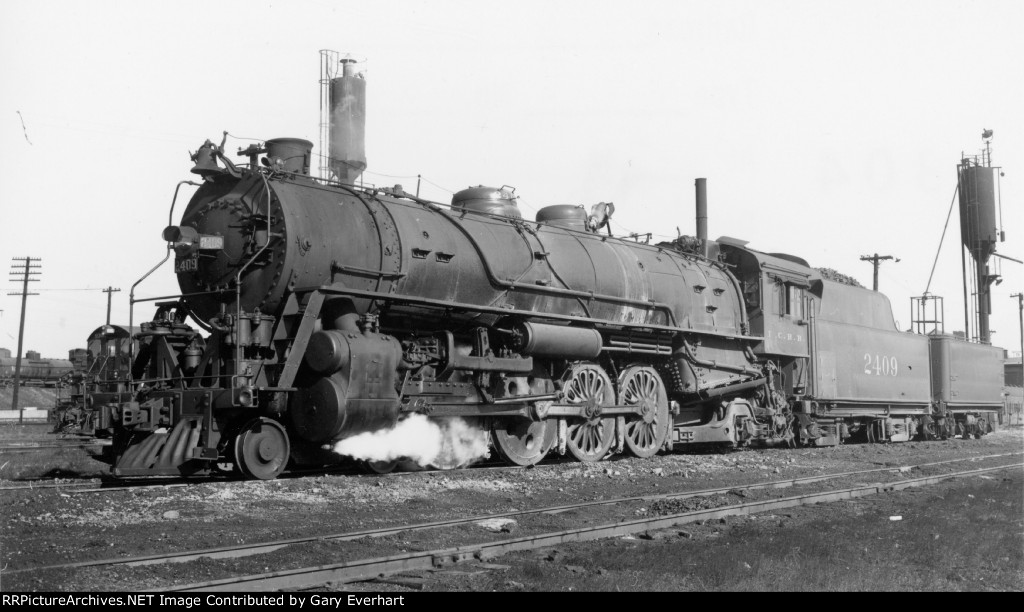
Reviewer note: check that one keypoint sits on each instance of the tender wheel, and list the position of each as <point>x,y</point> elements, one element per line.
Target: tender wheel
<point>523,442</point>
<point>262,449</point>
<point>930,431</point>
<point>641,385</point>
<point>589,439</point>
<point>948,428</point>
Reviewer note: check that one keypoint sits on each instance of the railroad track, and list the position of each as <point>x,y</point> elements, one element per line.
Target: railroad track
<point>388,564</point>
<point>159,482</point>
<point>368,569</point>
<point>25,447</point>
<point>113,486</point>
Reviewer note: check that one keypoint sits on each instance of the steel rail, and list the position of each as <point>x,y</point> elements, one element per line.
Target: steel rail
<point>46,485</point>
<point>98,486</point>
<point>245,550</point>
<point>24,448</point>
<point>365,569</point>
<point>50,445</point>
<point>164,482</point>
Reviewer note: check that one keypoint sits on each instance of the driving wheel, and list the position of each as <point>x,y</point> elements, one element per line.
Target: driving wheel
<point>589,438</point>
<point>641,386</point>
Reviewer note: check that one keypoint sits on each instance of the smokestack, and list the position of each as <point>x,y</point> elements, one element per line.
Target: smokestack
<point>702,213</point>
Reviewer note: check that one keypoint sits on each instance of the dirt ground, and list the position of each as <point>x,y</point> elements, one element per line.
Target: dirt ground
<point>955,536</point>
<point>48,526</point>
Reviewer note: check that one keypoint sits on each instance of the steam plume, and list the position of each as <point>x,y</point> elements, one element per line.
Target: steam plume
<point>446,444</point>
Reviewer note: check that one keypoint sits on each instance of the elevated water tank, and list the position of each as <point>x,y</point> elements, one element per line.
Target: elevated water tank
<point>978,227</point>
<point>348,124</point>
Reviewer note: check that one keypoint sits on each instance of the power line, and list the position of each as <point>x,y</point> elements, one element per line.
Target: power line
<point>73,289</point>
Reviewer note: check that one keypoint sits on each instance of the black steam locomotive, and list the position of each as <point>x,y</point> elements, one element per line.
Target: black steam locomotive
<point>328,310</point>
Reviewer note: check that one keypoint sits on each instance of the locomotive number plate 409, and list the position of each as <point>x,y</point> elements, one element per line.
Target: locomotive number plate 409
<point>190,264</point>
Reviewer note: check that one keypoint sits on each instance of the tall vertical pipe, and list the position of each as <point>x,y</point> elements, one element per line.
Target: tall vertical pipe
<point>702,213</point>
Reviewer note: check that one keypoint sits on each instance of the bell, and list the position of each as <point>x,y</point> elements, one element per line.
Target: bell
<point>206,160</point>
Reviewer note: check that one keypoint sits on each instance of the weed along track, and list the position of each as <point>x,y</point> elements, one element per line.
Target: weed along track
<point>356,554</point>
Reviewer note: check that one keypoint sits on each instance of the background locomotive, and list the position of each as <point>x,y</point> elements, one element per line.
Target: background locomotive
<point>103,366</point>
<point>328,311</point>
<point>35,371</point>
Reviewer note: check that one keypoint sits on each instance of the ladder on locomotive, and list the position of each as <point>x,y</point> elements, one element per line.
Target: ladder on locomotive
<point>292,333</point>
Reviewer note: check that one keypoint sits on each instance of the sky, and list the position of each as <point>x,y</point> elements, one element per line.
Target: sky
<point>828,130</point>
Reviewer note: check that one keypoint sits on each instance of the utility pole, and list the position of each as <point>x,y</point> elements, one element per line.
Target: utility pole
<point>110,292</point>
<point>25,277</point>
<point>1020,313</point>
<point>876,260</point>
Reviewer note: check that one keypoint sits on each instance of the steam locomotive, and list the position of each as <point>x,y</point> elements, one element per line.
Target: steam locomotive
<point>326,310</point>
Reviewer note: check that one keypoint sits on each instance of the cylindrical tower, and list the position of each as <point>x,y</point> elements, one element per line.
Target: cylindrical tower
<point>347,148</point>
<point>979,231</point>
<point>978,227</point>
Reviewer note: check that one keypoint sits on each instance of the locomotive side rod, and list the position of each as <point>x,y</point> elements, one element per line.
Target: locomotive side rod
<point>581,411</point>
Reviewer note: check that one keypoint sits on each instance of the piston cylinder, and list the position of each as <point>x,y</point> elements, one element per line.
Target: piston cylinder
<point>358,391</point>
<point>330,409</point>
<point>328,351</point>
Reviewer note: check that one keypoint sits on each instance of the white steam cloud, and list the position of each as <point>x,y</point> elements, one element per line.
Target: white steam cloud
<point>445,444</point>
